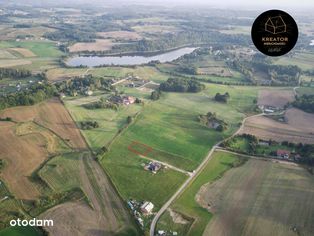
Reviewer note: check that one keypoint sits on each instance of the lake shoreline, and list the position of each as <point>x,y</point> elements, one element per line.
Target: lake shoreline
<point>128,59</point>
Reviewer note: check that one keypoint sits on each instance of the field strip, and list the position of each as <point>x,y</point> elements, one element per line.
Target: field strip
<point>168,165</point>
<point>269,158</point>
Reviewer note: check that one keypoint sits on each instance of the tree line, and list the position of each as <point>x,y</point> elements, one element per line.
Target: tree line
<point>305,103</point>
<point>181,85</point>
<point>14,73</point>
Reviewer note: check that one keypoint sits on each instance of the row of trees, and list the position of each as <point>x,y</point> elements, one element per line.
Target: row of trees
<point>181,85</point>
<point>14,73</point>
<point>35,94</point>
<point>305,103</point>
<point>85,125</point>
<point>102,103</point>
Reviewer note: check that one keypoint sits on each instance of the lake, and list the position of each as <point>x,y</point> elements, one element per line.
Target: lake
<point>91,61</point>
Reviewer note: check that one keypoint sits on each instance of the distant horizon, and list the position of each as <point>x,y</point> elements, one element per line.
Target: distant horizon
<point>224,4</point>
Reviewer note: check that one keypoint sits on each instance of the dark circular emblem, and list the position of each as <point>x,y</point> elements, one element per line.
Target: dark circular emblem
<point>274,33</point>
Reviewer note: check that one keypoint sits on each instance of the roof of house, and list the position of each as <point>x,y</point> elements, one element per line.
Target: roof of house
<point>283,152</point>
<point>148,206</point>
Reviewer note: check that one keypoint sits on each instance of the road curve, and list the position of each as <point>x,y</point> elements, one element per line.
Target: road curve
<point>192,177</point>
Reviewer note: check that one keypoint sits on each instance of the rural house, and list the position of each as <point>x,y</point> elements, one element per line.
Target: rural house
<point>126,100</point>
<point>153,167</point>
<point>147,207</point>
<point>284,154</point>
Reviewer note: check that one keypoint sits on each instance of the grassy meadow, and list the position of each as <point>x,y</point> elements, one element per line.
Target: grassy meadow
<point>186,204</point>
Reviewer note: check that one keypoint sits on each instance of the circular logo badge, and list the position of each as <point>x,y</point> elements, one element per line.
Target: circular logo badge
<point>274,33</point>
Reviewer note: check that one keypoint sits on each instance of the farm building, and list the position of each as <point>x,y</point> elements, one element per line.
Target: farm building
<point>126,100</point>
<point>88,92</point>
<point>153,167</point>
<point>275,25</point>
<point>283,154</point>
<point>147,207</point>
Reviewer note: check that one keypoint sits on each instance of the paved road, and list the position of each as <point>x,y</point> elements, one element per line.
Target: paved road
<point>192,177</point>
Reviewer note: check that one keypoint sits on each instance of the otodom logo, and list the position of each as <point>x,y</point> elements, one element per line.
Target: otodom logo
<point>274,33</point>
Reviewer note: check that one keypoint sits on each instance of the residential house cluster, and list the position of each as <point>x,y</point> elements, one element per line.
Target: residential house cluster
<point>140,210</point>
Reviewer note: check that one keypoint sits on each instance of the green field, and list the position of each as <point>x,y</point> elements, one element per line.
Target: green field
<point>47,54</point>
<point>41,49</point>
<point>110,121</point>
<point>304,60</point>
<point>9,206</point>
<point>186,203</point>
<point>132,181</point>
<point>62,172</point>
<point>21,231</point>
<point>305,90</point>
<point>167,126</point>
<point>204,61</point>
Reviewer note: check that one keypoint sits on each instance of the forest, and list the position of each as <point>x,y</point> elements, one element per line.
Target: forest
<point>305,103</point>
<point>35,94</point>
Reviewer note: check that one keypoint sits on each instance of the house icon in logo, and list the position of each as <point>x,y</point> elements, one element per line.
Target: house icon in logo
<point>275,25</point>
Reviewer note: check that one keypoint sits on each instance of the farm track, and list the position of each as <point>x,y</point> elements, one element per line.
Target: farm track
<point>168,165</point>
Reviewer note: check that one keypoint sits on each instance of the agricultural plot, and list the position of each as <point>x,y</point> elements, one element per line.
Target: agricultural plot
<point>216,71</point>
<point>120,35</point>
<point>196,217</point>
<point>304,60</point>
<point>36,56</point>
<point>61,173</point>
<point>154,29</point>
<point>305,90</point>
<point>13,63</point>
<point>23,52</point>
<point>51,115</point>
<point>166,126</point>
<point>39,48</point>
<point>5,54</point>
<point>275,97</point>
<point>59,74</point>
<point>125,169</point>
<point>110,121</point>
<point>22,161</point>
<point>260,198</point>
<point>34,32</point>
<point>105,214</point>
<point>297,128</point>
<point>208,69</point>
<point>99,45</point>
<point>237,30</point>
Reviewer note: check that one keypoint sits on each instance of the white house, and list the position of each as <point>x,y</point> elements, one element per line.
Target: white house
<point>147,207</point>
